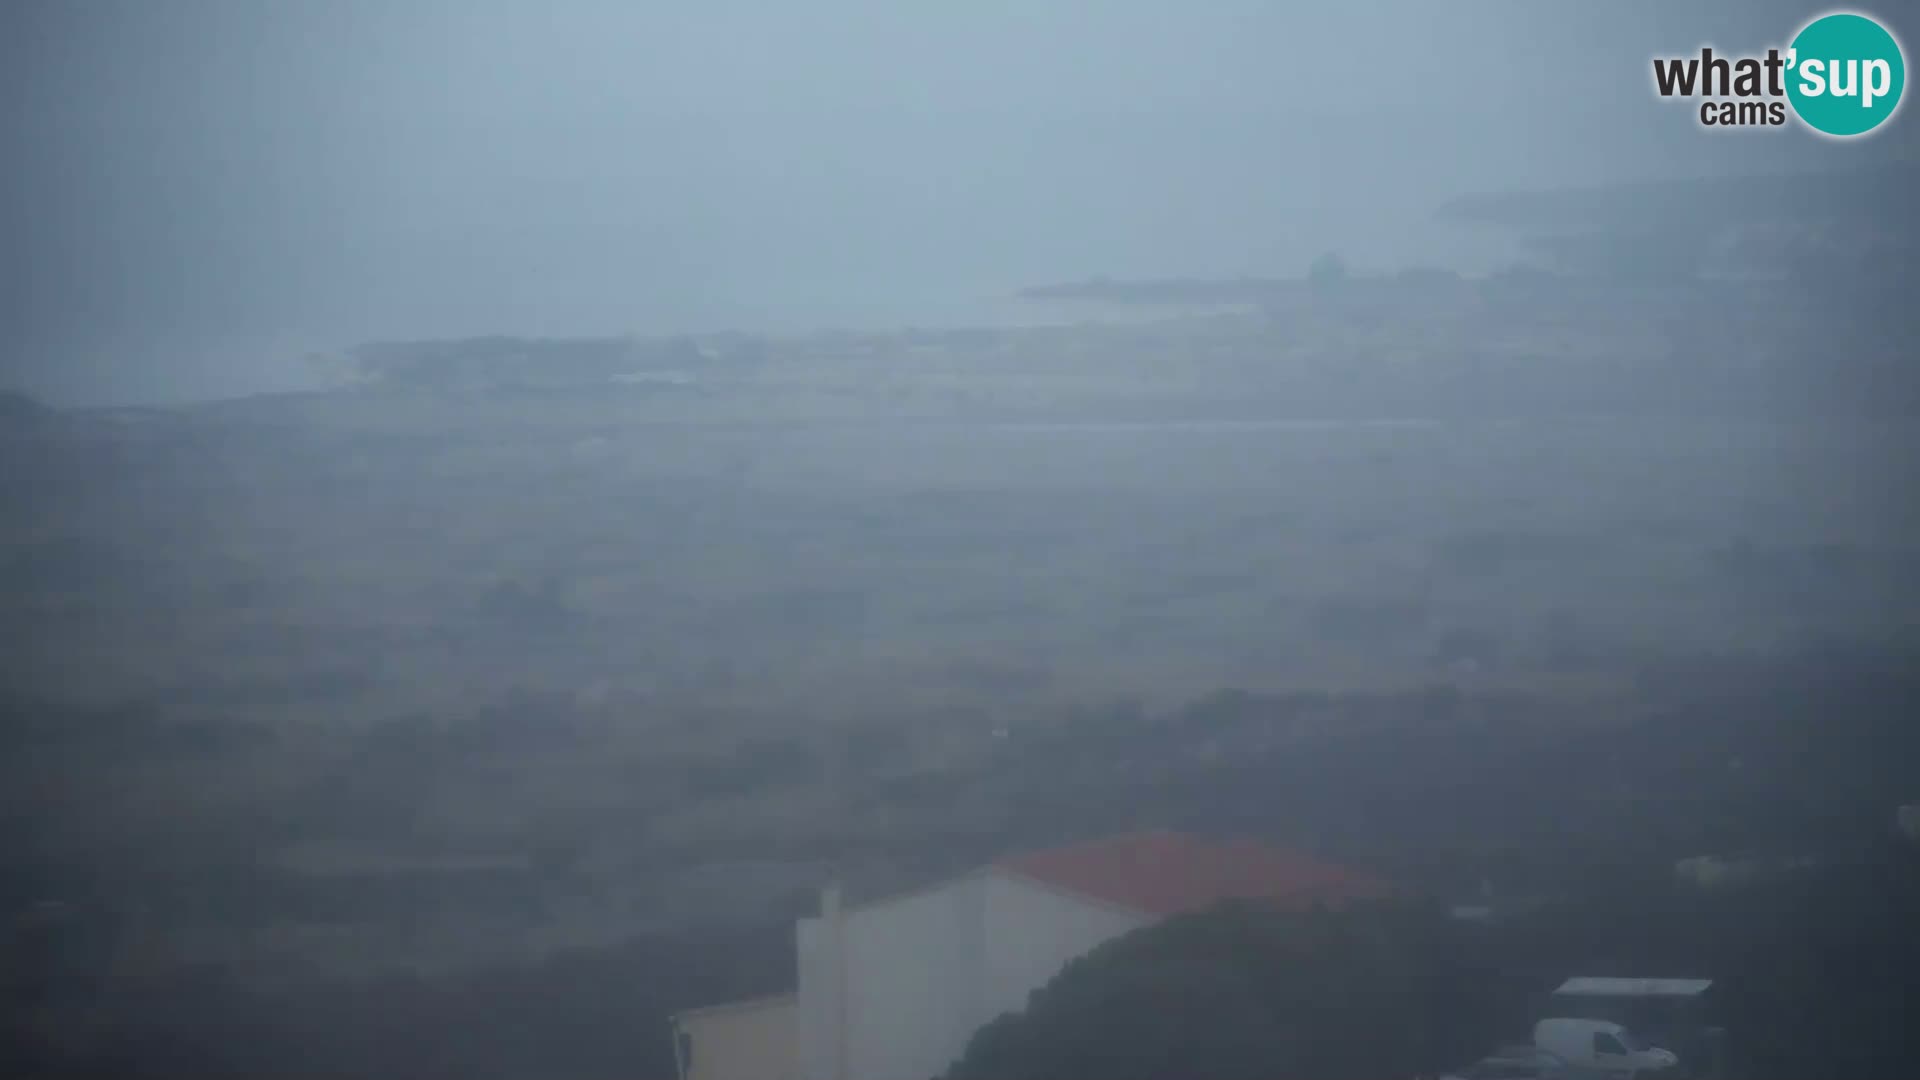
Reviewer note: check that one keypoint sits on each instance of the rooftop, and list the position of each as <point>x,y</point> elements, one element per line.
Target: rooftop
<point>1165,873</point>
<point>772,1001</point>
<point>1594,986</point>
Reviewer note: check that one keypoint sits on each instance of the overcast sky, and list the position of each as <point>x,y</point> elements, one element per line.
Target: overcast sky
<point>197,190</point>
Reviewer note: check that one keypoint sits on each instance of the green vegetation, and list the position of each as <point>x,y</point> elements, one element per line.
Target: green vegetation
<point>1813,975</point>
<point>1327,271</point>
<point>273,914</point>
<point>1246,993</point>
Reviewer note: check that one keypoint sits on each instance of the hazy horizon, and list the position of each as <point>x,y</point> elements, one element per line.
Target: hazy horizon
<point>204,192</point>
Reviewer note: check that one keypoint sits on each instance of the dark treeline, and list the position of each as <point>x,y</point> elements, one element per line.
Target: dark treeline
<point>1814,975</point>
<point>581,1014</point>
<point>1808,754</point>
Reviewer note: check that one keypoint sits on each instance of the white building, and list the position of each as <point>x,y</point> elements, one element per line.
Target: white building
<point>894,988</point>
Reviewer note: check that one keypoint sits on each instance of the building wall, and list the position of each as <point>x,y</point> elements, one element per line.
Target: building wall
<point>924,971</point>
<point>911,980</point>
<point>749,1041</point>
<point>1032,931</point>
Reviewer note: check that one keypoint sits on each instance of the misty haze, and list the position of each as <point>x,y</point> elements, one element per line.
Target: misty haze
<point>863,541</point>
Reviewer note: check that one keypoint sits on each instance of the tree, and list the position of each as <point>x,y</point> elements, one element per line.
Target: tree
<point>16,406</point>
<point>1247,992</point>
<point>1327,270</point>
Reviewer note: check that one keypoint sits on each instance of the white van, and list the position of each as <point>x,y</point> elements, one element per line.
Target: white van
<point>1601,1047</point>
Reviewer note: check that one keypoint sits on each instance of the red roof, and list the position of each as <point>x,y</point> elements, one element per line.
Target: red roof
<point>1165,873</point>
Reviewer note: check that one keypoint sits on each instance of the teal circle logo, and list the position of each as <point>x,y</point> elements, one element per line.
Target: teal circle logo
<point>1845,74</point>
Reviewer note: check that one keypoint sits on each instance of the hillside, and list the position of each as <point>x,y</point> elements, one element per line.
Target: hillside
<point>507,653</point>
